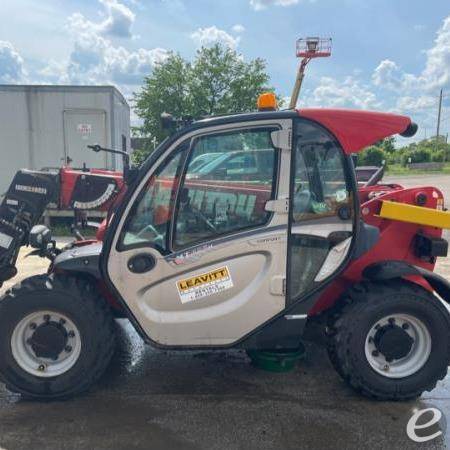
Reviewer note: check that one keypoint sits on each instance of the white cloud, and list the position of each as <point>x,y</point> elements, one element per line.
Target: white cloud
<point>434,76</point>
<point>11,64</point>
<point>347,93</point>
<point>117,23</point>
<point>437,69</point>
<point>408,104</point>
<point>417,93</point>
<point>258,5</point>
<point>94,59</point>
<point>119,19</point>
<point>205,37</point>
<point>130,67</point>
<point>387,74</point>
<point>238,28</point>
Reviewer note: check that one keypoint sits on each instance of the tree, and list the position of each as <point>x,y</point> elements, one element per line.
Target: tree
<point>387,144</point>
<point>425,150</point>
<point>420,155</point>
<point>222,83</point>
<point>218,81</point>
<point>371,156</point>
<point>165,90</point>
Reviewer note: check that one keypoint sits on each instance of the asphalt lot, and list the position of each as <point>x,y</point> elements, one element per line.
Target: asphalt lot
<point>215,400</point>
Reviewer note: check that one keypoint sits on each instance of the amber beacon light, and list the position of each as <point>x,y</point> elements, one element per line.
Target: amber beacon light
<point>267,102</point>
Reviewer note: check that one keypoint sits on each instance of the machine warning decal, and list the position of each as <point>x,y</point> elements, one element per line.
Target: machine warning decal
<point>205,284</point>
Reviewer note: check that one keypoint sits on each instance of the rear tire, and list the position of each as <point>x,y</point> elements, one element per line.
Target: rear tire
<point>391,341</point>
<point>56,337</point>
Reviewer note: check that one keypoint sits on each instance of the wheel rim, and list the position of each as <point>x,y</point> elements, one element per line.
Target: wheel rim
<point>398,346</point>
<point>46,344</point>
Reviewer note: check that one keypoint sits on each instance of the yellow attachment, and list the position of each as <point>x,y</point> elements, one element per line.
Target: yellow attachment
<point>415,214</point>
<point>267,102</point>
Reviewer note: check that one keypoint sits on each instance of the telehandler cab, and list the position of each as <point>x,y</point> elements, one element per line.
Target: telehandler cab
<point>244,256</point>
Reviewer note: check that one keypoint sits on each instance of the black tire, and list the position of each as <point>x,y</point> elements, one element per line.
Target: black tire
<point>76,299</point>
<point>364,305</point>
<point>330,331</point>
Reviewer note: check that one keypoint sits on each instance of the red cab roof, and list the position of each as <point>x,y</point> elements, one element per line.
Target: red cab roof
<point>356,129</point>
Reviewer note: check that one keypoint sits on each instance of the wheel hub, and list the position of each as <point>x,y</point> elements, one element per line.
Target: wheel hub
<point>46,343</point>
<point>398,345</point>
<point>49,340</point>
<point>393,342</point>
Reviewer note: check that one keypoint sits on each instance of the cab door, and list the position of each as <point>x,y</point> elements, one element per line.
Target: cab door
<point>199,254</point>
<point>323,205</point>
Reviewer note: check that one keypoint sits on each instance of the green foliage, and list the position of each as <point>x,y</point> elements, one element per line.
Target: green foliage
<point>139,156</point>
<point>427,150</point>
<point>218,81</point>
<point>418,155</point>
<point>165,90</point>
<point>222,83</point>
<point>387,145</point>
<point>372,156</point>
<point>438,156</point>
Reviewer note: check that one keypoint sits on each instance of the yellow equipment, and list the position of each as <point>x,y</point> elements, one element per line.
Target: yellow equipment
<point>415,214</point>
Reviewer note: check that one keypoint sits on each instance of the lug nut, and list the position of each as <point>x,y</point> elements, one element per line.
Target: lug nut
<point>386,367</point>
<point>405,326</point>
<point>41,368</point>
<point>71,334</point>
<point>33,326</point>
<point>62,321</point>
<point>47,318</point>
<point>68,348</point>
<point>375,353</point>
<point>370,340</point>
<point>391,321</point>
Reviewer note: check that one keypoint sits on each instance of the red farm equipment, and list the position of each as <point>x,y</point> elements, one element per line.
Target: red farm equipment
<point>237,232</point>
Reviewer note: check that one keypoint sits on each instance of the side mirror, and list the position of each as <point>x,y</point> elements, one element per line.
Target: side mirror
<point>131,175</point>
<point>171,123</point>
<point>168,122</point>
<point>40,237</point>
<point>125,157</point>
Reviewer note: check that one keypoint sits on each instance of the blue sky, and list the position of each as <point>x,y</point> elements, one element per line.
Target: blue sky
<point>391,55</point>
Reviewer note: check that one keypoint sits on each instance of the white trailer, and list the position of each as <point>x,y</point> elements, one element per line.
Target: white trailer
<point>48,126</point>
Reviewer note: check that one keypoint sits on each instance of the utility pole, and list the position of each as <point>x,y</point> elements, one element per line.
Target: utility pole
<point>439,119</point>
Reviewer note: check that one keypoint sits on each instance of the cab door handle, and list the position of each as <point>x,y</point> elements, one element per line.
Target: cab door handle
<point>141,263</point>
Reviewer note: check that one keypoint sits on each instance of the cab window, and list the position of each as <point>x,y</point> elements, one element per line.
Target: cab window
<point>228,193</point>
<point>320,185</point>
<point>148,222</point>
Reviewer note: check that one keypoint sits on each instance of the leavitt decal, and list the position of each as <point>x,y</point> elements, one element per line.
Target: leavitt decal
<point>204,285</point>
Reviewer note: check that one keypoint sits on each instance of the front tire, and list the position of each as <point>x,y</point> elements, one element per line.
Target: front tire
<point>391,341</point>
<point>56,337</point>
